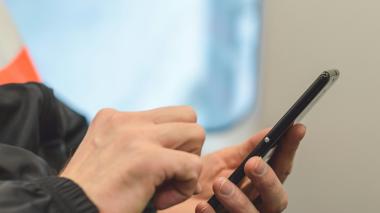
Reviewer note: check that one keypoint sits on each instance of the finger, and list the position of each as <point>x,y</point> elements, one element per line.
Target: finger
<point>272,193</point>
<point>234,155</point>
<point>204,207</point>
<point>188,137</point>
<point>282,159</point>
<point>250,144</point>
<point>169,194</point>
<point>172,114</point>
<point>182,171</point>
<point>231,198</point>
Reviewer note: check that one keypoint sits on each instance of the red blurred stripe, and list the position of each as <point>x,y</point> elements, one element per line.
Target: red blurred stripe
<point>20,70</point>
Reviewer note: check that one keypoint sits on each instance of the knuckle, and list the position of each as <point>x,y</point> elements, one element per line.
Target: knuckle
<point>270,183</point>
<point>242,201</point>
<point>191,113</point>
<point>197,164</point>
<point>119,119</point>
<point>104,113</point>
<point>200,133</point>
<point>102,118</point>
<point>198,136</point>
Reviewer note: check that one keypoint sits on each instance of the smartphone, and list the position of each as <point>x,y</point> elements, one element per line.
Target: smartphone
<point>294,114</point>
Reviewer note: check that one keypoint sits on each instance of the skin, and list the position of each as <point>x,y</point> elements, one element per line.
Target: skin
<point>126,157</point>
<point>261,191</point>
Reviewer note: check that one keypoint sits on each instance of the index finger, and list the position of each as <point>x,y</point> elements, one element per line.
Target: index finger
<point>188,137</point>
<point>282,159</point>
<point>233,156</point>
<point>185,114</point>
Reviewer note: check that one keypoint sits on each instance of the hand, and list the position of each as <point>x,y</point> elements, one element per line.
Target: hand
<point>260,191</point>
<point>126,157</point>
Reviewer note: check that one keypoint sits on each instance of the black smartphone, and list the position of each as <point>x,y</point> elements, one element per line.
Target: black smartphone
<point>295,113</point>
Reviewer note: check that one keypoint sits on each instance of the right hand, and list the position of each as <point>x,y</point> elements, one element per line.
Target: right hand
<point>126,157</point>
<point>260,191</point>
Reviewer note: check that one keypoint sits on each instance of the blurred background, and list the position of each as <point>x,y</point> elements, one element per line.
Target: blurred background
<point>240,63</point>
<point>140,54</point>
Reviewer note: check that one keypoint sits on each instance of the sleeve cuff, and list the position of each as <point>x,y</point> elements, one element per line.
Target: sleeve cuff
<point>68,195</point>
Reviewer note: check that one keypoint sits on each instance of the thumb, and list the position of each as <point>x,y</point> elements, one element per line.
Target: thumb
<point>181,183</point>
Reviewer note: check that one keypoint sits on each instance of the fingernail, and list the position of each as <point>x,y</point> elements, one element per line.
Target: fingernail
<point>226,187</point>
<point>260,168</point>
<point>202,208</point>
<point>302,125</point>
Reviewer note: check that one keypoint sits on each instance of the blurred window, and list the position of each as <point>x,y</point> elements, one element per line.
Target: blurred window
<point>139,54</point>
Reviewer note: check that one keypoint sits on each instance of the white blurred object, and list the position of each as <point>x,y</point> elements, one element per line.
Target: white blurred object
<point>10,42</point>
<point>15,63</point>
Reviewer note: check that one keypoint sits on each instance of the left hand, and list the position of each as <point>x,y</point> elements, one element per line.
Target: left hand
<point>260,191</point>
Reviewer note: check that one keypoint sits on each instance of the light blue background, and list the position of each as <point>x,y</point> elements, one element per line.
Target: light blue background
<point>140,54</point>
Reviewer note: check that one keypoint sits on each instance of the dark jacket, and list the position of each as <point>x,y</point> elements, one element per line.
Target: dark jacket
<point>38,134</point>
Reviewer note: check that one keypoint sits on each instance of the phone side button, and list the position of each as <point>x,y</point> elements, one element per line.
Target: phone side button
<point>266,140</point>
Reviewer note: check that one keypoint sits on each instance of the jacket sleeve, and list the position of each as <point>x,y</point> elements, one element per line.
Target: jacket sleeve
<point>31,117</point>
<point>38,134</point>
<point>28,184</point>
<point>44,195</point>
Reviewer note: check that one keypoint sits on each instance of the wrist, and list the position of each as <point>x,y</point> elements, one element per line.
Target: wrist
<point>68,195</point>
<point>113,195</point>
